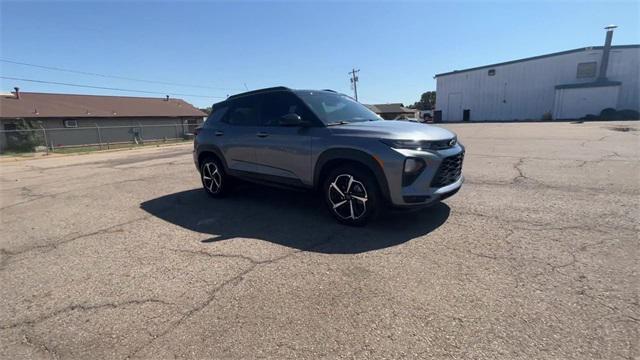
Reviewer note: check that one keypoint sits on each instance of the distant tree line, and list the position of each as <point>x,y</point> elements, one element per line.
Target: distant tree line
<point>427,101</point>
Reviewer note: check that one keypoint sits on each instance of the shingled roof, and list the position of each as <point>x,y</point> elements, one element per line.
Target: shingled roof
<point>45,105</point>
<point>389,108</point>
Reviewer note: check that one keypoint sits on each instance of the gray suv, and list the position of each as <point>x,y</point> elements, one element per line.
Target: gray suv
<point>323,140</point>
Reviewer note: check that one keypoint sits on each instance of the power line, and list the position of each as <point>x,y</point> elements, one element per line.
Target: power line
<point>114,76</point>
<point>109,88</point>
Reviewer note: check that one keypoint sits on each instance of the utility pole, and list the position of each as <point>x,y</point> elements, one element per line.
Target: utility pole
<point>354,81</point>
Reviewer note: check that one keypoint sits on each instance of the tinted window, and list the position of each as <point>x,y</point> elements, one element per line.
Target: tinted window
<point>216,115</point>
<point>244,112</point>
<point>334,108</point>
<point>276,105</point>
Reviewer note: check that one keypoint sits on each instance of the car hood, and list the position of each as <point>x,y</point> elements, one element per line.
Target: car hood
<point>389,129</point>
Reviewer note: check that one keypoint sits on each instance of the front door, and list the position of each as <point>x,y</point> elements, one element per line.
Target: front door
<point>284,152</point>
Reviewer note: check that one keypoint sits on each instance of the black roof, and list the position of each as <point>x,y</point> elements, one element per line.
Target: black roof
<point>252,92</point>
<point>264,90</point>
<point>538,57</point>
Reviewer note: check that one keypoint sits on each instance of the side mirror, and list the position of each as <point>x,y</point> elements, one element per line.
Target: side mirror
<point>291,120</point>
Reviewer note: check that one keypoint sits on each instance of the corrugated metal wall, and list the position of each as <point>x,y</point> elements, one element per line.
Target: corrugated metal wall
<point>526,90</point>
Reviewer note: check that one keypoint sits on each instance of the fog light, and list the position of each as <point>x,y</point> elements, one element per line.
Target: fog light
<point>412,166</point>
<point>412,169</point>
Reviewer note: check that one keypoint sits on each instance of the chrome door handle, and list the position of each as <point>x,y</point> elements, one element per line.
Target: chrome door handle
<point>262,134</point>
<point>218,133</point>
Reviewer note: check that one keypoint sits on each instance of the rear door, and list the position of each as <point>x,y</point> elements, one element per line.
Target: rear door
<point>284,152</point>
<point>236,134</point>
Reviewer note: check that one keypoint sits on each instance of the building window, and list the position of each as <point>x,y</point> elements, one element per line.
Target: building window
<point>491,72</point>
<point>71,123</point>
<point>587,69</point>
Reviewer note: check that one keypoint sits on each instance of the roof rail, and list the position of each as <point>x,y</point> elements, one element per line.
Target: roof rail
<point>275,88</point>
<point>329,90</point>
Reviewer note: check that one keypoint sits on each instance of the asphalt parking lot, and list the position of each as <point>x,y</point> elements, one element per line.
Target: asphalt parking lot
<point>122,255</point>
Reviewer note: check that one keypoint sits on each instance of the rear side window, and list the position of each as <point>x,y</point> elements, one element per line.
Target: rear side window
<point>278,104</point>
<point>244,112</point>
<point>215,116</point>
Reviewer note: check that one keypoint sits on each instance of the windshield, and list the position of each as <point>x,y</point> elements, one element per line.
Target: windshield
<point>333,109</point>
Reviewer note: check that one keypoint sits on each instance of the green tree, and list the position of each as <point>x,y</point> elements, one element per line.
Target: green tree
<point>206,110</point>
<point>25,137</point>
<point>427,101</point>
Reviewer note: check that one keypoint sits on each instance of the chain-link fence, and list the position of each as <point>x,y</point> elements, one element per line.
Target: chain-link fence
<point>98,137</point>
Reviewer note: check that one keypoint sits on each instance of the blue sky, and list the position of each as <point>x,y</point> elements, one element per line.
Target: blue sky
<point>398,46</point>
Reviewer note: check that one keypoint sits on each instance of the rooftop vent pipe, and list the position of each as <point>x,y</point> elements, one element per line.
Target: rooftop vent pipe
<point>604,63</point>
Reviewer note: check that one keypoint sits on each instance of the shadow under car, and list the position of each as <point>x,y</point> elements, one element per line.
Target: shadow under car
<point>293,219</point>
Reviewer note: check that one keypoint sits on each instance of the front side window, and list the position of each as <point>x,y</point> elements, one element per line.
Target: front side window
<point>243,112</point>
<point>333,108</point>
<point>278,104</point>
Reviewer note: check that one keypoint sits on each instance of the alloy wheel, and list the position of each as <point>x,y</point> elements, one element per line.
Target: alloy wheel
<point>348,197</point>
<point>211,177</point>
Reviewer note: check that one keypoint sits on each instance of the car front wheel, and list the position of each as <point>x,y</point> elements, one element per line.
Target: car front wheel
<point>351,195</point>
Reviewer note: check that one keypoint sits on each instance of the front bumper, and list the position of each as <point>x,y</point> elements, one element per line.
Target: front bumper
<point>422,191</point>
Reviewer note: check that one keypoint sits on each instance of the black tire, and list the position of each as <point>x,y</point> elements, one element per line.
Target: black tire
<point>214,180</point>
<point>346,204</point>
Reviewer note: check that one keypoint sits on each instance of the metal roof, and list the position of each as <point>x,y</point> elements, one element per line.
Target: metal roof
<point>47,105</point>
<point>538,57</point>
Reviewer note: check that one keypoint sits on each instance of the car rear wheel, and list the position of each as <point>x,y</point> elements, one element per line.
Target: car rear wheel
<point>214,180</point>
<point>351,195</point>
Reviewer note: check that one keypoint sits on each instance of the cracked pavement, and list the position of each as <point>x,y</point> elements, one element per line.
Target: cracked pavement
<point>120,255</point>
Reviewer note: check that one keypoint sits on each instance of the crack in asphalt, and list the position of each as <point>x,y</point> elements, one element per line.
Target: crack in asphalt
<point>27,340</point>
<point>545,226</point>
<point>521,176</point>
<point>513,261</point>
<point>52,246</point>
<point>44,196</point>
<point>584,143</point>
<point>232,281</point>
<point>220,255</point>
<point>82,307</point>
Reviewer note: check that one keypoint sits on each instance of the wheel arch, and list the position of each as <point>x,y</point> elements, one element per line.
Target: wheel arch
<point>332,158</point>
<point>205,151</point>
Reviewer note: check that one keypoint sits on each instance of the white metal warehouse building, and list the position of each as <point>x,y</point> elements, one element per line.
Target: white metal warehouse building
<point>564,85</point>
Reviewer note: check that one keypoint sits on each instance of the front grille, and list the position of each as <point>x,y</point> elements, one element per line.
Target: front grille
<point>449,171</point>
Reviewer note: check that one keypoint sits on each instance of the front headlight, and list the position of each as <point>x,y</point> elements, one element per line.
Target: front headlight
<point>421,144</point>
